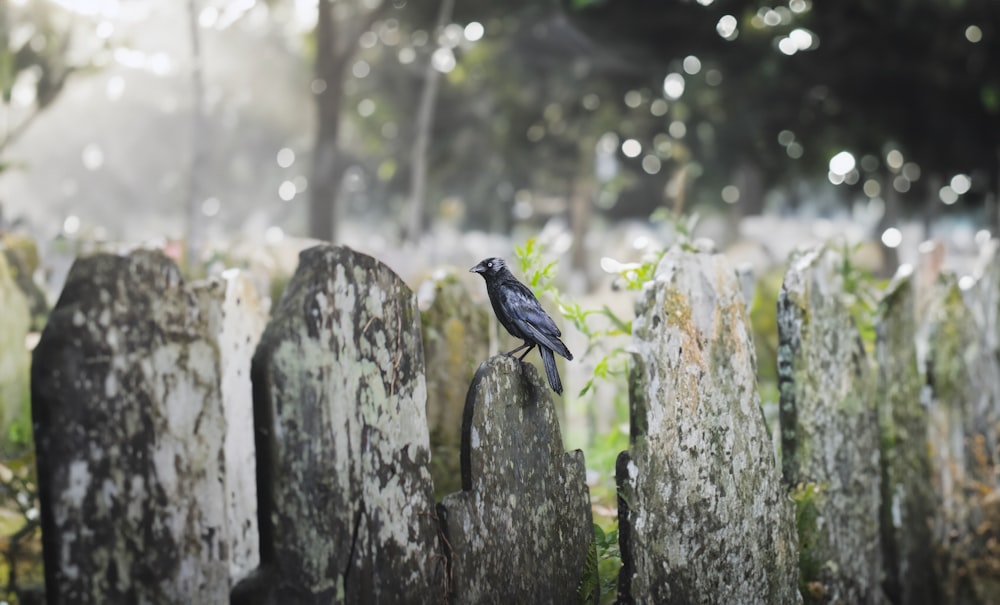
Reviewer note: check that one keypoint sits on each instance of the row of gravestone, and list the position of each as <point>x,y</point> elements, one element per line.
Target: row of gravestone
<point>170,466</point>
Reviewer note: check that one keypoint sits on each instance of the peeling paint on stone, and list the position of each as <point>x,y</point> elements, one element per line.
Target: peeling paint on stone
<point>700,482</point>
<point>521,528</point>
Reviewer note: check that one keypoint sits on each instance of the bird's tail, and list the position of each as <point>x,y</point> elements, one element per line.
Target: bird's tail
<point>550,368</point>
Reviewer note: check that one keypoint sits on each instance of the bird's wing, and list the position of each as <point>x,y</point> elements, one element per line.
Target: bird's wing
<point>546,340</point>
<point>521,303</point>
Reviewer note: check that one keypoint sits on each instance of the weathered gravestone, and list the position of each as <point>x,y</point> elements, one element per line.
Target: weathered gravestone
<point>703,517</point>
<point>829,432</point>
<point>139,503</point>
<point>907,493</point>
<point>987,295</point>
<point>346,499</point>
<point>962,378</point>
<point>456,337</point>
<point>521,528</point>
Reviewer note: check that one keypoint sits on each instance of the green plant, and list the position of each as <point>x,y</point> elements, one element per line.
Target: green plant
<point>807,498</point>
<point>861,294</point>
<point>21,532</point>
<point>540,277</point>
<point>602,566</point>
<point>603,330</point>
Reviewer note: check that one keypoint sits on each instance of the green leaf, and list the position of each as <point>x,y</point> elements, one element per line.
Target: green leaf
<point>626,328</point>
<point>590,579</point>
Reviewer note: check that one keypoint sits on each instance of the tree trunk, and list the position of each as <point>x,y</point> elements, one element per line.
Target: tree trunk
<point>336,44</point>
<point>327,168</point>
<point>425,122</point>
<point>195,230</point>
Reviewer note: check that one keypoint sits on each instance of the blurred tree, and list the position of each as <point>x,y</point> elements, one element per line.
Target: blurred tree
<point>686,102</point>
<point>34,64</point>
<point>338,27</point>
<point>195,228</point>
<point>424,122</point>
<point>805,80</point>
<point>514,123</point>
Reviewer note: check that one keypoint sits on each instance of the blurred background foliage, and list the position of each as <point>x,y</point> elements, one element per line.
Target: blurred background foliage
<point>242,116</point>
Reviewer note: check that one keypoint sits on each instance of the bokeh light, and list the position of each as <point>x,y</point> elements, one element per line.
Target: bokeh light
<point>210,206</point>
<point>631,148</point>
<point>287,191</point>
<point>947,195</point>
<point>71,225</point>
<point>892,237</point>
<point>692,65</point>
<point>673,86</point>
<point>730,194</point>
<point>651,164</point>
<point>842,163</point>
<point>727,27</point>
<point>443,60</point>
<point>960,183</point>
<point>285,157</point>
<point>474,31</point>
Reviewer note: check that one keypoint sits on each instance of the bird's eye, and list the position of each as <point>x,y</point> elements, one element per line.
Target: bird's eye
<point>489,264</point>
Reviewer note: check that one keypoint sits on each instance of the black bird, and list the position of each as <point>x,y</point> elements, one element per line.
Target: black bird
<point>520,312</point>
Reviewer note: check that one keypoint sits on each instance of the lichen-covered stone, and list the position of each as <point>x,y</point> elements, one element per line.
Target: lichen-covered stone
<point>829,432</point>
<point>987,294</point>
<point>15,321</point>
<point>347,509</point>
<point>962,380</point>
<point>703,517</point>
<point>456,340</point>
<point>907,494</point>
<point>521,528</point>
<point>238,320</point>
<point>129,420</point>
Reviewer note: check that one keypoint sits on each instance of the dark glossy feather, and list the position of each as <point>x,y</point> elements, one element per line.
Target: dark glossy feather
<point>520,313</point>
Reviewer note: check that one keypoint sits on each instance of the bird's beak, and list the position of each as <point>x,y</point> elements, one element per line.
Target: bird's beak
<point>477,269</point>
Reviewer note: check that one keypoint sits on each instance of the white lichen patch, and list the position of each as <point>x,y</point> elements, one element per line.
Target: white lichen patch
<point>705,460</point>
<point>350,424</point>
<point>78,484</point>
<point>829,420</point>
